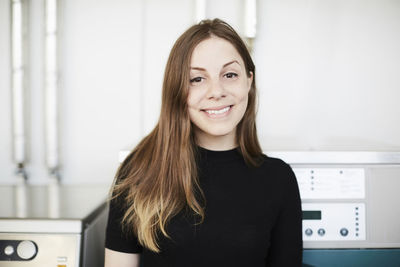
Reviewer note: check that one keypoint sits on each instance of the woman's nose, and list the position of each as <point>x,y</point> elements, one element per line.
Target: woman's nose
<point>215,90</point>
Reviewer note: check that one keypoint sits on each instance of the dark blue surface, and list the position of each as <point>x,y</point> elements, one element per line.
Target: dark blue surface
<point>351,258</point>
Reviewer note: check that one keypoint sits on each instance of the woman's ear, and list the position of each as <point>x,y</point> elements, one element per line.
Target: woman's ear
<point>250,80</point>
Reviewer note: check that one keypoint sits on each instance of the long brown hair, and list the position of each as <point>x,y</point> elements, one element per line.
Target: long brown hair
<point>159,178</point>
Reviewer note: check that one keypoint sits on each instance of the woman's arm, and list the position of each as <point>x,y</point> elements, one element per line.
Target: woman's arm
<point>121,247</point>
<point>119,259</point>
<point>286,240</point>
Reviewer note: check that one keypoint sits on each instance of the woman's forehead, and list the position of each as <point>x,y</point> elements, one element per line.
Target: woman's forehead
<point>214,51</point>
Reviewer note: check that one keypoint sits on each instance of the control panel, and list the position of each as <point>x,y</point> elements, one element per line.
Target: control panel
<point>40,250</point>
<point>17,250</point>
<point>333,203</point>
<point>333,221</point>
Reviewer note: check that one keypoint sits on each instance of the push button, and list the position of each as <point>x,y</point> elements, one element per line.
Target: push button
<point>309,232</point>
<point>26,250</point>
<point>321,231</point>
<point>9,250</point>
<point>344,231</point>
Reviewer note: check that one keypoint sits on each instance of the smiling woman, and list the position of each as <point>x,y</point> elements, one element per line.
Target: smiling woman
<point>218,93</point>
<point>197,191</point>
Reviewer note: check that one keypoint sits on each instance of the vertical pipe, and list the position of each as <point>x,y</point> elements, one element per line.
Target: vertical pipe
<point>250,18</point>
<point>18,81</point>
<point>200,10</point>
<point>250,22</point>
<point>53,196</point>
<point>21,198</point>
<point>51,86</point>
<point>51,107</point>
<point>230,11</point>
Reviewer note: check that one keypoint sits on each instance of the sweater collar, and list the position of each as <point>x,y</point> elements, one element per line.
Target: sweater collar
<point>220,155</point>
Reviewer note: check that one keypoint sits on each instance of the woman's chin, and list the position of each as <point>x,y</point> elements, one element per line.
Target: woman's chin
<point>216,133</point>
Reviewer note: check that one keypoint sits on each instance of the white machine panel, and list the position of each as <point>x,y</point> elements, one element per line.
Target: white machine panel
<point>331,183</point>
<point>333,221</point>
<point>73,238</point>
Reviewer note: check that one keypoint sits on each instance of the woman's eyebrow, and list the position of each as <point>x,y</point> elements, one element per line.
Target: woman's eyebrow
<point>197,68</point>
<point>230,62</point>
<point>226,64</point>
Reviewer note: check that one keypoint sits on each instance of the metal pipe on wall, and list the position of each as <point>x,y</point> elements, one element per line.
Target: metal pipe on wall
<point>250,22</point>
<point>18,58</point>
<point>241,14</point>
<point>200,10</point>
<point>18,83</point>
<point>51,87</point>
<point>51,107</point>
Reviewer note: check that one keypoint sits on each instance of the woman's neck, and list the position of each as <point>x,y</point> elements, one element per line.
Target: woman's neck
<point>216,143</point>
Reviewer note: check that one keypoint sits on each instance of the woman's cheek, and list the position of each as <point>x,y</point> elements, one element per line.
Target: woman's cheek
<point>195,96</point>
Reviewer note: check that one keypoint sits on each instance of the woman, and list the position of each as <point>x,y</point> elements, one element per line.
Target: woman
<point>197,191</point>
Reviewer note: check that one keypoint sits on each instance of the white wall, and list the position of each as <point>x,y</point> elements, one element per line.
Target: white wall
<point>328,73</point>
<point>101,75</point>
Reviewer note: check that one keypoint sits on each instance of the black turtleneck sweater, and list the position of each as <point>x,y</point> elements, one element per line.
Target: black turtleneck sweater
<point>252,219</point>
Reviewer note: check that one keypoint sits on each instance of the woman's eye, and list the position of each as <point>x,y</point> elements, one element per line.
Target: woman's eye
<point>196,80</point>
<point>231,75</point>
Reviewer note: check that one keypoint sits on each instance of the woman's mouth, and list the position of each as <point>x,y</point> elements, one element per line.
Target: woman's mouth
<point>218,111</point>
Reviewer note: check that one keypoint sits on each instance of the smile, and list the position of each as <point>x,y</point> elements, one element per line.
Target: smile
<point>218,112</point>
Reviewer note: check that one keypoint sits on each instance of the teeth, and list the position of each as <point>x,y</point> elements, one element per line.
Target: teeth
<point>218,111</point>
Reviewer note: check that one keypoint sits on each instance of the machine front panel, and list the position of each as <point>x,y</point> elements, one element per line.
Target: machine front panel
<point>39,250</point>
<point>333,221</point>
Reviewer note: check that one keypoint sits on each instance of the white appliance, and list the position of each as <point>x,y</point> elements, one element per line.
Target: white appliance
<point>61,226</point>
<point>350,207</point>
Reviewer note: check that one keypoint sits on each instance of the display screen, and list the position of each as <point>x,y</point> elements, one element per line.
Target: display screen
<point>311,215</point>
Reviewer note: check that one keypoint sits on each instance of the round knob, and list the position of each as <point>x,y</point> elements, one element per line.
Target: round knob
<point>321,231</point>
<point>26,250</point>
<point>9,250</point>
<point>309,232</point>
<point>344,231</point>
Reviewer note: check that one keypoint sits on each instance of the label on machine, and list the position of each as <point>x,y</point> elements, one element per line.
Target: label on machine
<point>331,183</point>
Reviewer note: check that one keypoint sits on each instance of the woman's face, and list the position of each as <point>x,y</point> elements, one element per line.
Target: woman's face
<point>218,93</point>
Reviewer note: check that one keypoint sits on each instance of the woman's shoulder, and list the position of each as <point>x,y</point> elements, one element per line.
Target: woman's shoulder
<point>278,169</point>
<point>278,178</point>
<point>274,162</point>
